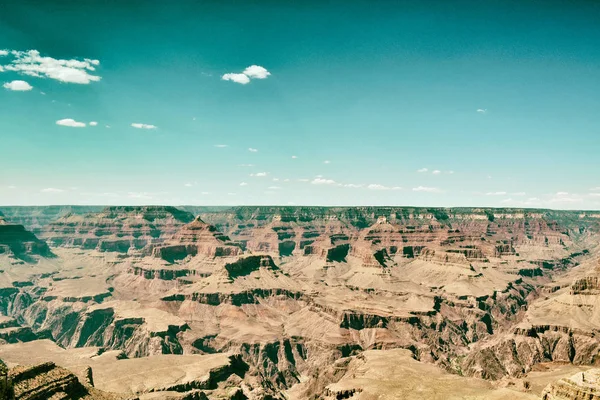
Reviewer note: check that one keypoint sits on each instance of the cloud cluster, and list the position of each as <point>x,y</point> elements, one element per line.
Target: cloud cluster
<point>18,86</point>
<point>322,181</point>
<point>375,186</point>
<point>70,71</point>
<point>143,126</point>
<point>259,174</point>
<point>70,122</point>
<point>252,72</point>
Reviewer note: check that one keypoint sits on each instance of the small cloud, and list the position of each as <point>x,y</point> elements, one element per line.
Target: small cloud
<point>3,53</point>
<point>562,193</point>
<point>237,78</point>
<point>286,180</point>
<point>303,180</point>
<point>252,72</point>
<point>323,181</point>
<point>426,189</point>
<point>107,126</point>
<point>436,172</point>
<point>260,174</point>
<point>231,194</point>
<point>495,194</point>
<point>275,179</point>
<point>93,123</point>
<point>188,185</point>
<point>252,150</point>
<point>71,123</point>
<point>326,162</point>
<point>353,185</point>
<point>221,146</point>
<point>256,72</point>
<point>51,190</point>
<point>12,187</point>
<point>245,165</point>
<point>205,193</point>
<point>595,189</point>
<point>143,126</point>
<point>274,187</point>
<point>482,110</point>
<point>451,172</point>
<point>294,157</point>
<point>375,186</point>
<point>422,170</point>
<point>243,184</point>
<point>518,194</point>
<point>18,86</point>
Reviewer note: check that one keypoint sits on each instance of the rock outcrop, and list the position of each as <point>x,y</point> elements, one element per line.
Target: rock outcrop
<point>581,386</point>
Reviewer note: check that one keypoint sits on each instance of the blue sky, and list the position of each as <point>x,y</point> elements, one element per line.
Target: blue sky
<point>496,103</point>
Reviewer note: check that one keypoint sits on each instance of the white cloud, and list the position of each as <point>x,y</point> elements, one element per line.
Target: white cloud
<point>252,150</point>
<point>3,53</point>
<point>274,187</point>
<point>245,165</point>
<point>562,193</point>
<point>482,110</point>
<point>294,157</point>
<point>256,72</point>
<point>426,189</point>
<point>93,123</point>
<point>353,185</point>
<point>450,172</point>
<point>323,181</point>
<point>275,179</point>
<point>188,185</point>
<point>18,86</point>
<point>495,194</point>
<point>303,180</point>
<point>252,72</point>
<point>422,170</point>
<point>326,162</point>
<point>436,172</point>
<point>71,123</point>
<point>375,186</point>
<point>11,187</point>
<point>143,126</point>
<point>231,194</point>
<point>595,189</point>
<point>51,190</point>
<point>260,174</point>
<point>243,184</point>
<point>205,193</point>
<point>70,71</point>
<point>286,180</point>
<point>221,146</point>
<point>237,78</point>
<point>518,194</point>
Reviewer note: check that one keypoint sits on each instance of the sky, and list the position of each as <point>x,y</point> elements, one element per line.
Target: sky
<point>423,103</point>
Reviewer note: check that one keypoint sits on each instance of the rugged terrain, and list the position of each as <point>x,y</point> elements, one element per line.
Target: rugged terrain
<point>302,302</point>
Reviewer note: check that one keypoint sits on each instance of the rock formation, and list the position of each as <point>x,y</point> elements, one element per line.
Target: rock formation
<point>286,300</point>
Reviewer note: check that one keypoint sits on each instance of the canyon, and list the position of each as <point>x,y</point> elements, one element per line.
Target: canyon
<point>161,302</point>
